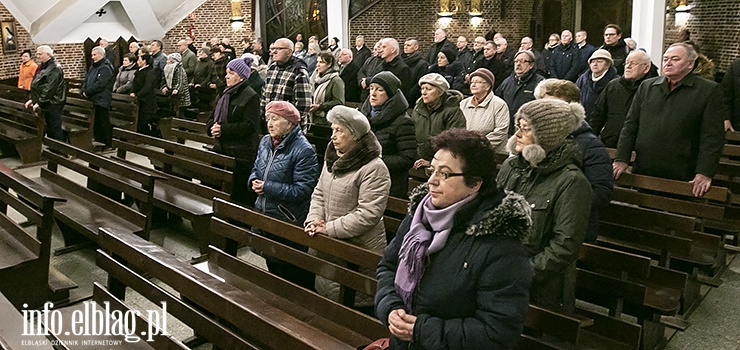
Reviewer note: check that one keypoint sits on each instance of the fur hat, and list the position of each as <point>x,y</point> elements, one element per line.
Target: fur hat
<point>174,57</point>
<point>450,54</point>
<point>551,121</point>
<point>351,118</point>
<point>285,110</point>
<point>601,53</point>
<point>435,80</point>
<point>241,66</point>
<point>388,81</point>
<point>484,74</point>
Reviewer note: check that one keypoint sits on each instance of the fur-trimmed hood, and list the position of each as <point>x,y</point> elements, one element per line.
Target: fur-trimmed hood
<point>509,215</point>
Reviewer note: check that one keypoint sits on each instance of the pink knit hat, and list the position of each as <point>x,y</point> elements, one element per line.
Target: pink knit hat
<point>285,110</point>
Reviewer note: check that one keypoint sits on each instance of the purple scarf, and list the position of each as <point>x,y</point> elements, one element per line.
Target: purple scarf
<point>428,234</point>
<point>221,113</point>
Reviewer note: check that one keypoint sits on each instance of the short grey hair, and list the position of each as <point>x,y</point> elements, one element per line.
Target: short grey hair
<point>690,50</point>
<point>392,43</point>
<point>640,56</point>
<point>287,42</point>
<point>46,49</point>
<point>347,51</point>
<point>99,49</point>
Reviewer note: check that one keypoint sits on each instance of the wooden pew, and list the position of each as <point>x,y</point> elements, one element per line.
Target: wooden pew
<point>204,99</point>
<point>181,130</point>
<point>627,283</point>
<point>22,130</point>
<point>124,112</point>
<point>14,93</point>
<point>98,203</point>
<point>25,244</point>
<point>733,137</point>
<point>78,118</point>
<point>265,319</point>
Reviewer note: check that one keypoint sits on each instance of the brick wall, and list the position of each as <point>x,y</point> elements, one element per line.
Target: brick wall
<point>402,19</point>
<point>211,20</point>
<point>715,26</point>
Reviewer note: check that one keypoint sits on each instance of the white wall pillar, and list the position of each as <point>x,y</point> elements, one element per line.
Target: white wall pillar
<point>648,27</point>
<point>337,18</point>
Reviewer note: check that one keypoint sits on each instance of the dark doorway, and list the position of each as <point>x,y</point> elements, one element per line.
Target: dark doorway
<point>596,14</point>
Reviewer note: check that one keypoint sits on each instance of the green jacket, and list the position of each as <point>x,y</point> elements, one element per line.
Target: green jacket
<point>560,197</point>
<point>429,123</point>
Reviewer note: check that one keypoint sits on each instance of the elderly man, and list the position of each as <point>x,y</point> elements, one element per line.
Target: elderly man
<point>48,91</point>
<point>675,124</point>
<point>593,81</point>
<point>613,103</point>
<point>731,89</point>
<point>585,50</point>
<point>564,60</point>
<point>287,79</point>
<point>478,44</point>
<point>418,66</point>
<point>518,88</point>
<point>390,53</point>
<point>440,42</point>
<point>360,52</point>
<point>372,65</point>
<point>110,54</point>
<point>616,46</point>
<point>526,44</point>
<point>188,58</point>
<point>97,87</point>
<point>505,55</point>
<point>348,73</point>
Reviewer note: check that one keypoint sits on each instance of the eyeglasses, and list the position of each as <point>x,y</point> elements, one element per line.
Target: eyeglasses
<point>279,48</point>
<point>523,130</point>
<point>522,61</point>
<point>440,174</point>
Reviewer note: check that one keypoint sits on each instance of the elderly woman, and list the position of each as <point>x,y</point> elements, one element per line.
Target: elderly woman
<point>437,110</point>
<point>328,88</point>
<point>593,81</point>
<point>447,67</point>
<point>175,80</point>
<point>386,108</point>
<point>312,55</point>
<point>457,275</point>
<point>27,70</point>
<point>235,125</point>
<point>485,112</point>
<point>596,162</point>
<point>546,171</point>
<point>284,175</point>
<point>350,198</point>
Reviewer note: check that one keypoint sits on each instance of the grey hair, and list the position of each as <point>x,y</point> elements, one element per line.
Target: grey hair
<point>99,49</point>
<point>641,56</point>
<point>347,51</point>
<point>392,43</point>
<point>314,47</point>
<point>690,50</point>
<point>287,42</point>
<point>46,49</point>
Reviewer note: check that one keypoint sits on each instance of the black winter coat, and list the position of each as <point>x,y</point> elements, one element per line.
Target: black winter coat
<point>48,86</point>
<point>474,292</point>
<point>290,172</point>
<point>240,133</point>
<point>597,167</point>
<point>453,73</point>
<point>591,90</point>
<point>395,132</point>
<point>360,56</point>
<point>146,81</point>
<point>348,73</point>
<point>563,62</point>
<point>437,47</point>
<point>419,67</point>
<point>203,71</point>
<point>516,92</point>
<point>495,66</point>
<point>731,89</point>
<point>98,84</point>
<point>619,52</point>
<point>218,74</point>
<point>611,109</point>
<point>402,72</point>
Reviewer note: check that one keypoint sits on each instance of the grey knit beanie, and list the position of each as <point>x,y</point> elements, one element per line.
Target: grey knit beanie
<point>390,83</point>
<point>551,122</point>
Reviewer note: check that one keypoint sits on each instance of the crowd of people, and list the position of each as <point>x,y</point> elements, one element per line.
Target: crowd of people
<point>476,247</point>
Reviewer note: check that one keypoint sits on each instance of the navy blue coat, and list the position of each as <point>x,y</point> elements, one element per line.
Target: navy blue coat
<point>98,85</point>
<point>290,172</point>
<point>563,62</point>
<point>591,89</point>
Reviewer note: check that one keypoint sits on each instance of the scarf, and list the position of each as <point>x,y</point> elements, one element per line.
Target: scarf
<point>365,150</point>
<point>169,71</point>
<point>430,228</point>
<point>221,112</point>
<point>320,83</point>
<point>375,112</point>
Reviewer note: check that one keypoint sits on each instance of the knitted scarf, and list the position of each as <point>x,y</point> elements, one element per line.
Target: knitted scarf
<point>320,83</point>
<point>169,72</point>
<point>221,112</point>
<point>430,228</point>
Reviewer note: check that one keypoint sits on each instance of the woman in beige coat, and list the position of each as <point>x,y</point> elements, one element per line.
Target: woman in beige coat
<point>350,198</point>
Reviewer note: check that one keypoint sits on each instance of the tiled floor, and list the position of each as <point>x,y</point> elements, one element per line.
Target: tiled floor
<point>715,324</point>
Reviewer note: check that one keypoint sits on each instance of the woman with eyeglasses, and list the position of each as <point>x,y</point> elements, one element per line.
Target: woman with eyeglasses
<point>545,169</point>
<point>349,200</point>
<point>552,42</point>
<point>457,275</point>
<point>485,112</point>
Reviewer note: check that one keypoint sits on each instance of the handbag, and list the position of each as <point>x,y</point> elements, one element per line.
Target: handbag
<point>380,344</point>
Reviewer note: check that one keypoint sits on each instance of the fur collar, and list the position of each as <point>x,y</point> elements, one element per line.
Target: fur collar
<point>366,149</point>
<point>512,217</point>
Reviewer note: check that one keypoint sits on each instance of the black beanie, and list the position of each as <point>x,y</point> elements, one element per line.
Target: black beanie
<point>390,83</point>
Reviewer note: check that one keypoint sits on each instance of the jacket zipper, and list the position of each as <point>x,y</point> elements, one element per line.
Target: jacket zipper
<point>264,178</point>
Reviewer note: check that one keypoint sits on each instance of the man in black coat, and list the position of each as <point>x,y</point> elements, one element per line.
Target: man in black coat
<point>360,52</point>
<point>48,91</point>
<point>489,61</point>
<point>372,65</point>
<point>731,89</point>
<point>419,67</point>
<point>390,54</point>
<point>440,42</point>
<point>98,87</point>
<point>505,55</point>
<point>564,60</point>
<point>675,124</point>
<point>348,72</point>
<point>616,46</point>
<point>464,55</point>
<point>585,50</point>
